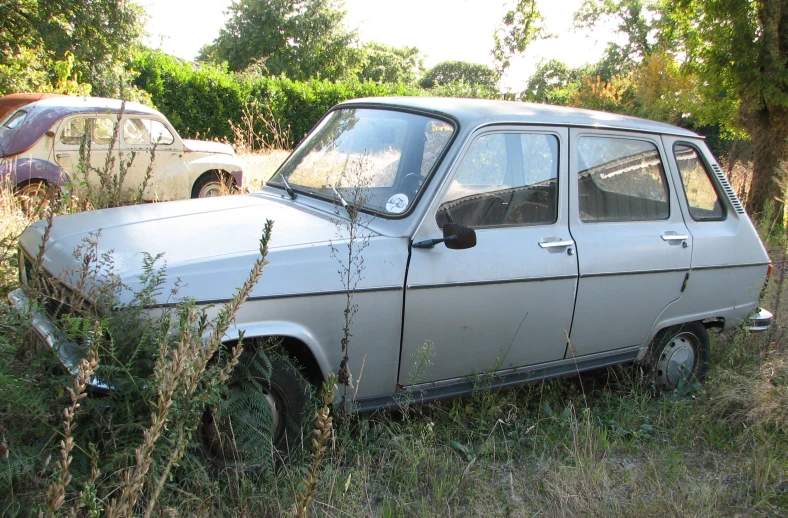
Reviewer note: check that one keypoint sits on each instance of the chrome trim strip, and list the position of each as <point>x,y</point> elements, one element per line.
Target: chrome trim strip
<point>52,336</point>
<point>635,272</point>
<point>728,266</point>
<point>284,296</point>
<point>426,392</point>
<point>485,283</point>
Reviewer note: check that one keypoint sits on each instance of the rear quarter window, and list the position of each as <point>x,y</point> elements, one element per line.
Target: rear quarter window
<point>703,200</point>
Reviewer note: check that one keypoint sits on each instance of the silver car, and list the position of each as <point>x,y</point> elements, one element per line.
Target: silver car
<point>518,240</point>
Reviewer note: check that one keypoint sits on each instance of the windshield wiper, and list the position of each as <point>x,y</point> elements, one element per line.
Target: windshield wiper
<point>289,189</point>
<point>341,199</point>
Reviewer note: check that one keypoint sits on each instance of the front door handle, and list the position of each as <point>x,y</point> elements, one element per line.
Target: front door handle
<point>556,244</point>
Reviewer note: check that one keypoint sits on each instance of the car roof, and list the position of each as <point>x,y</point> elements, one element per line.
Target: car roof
<point>73,104</point>
<point>477,112</point>
<point>41,115</point>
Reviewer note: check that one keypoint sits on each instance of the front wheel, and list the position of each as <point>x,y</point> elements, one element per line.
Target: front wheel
<point>261,414</point>
<point>680,357</point>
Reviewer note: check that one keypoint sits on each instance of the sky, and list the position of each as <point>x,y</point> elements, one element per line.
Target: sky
<point>442,29</point>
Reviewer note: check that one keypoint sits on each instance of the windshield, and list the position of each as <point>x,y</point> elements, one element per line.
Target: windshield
<point>385,155</point>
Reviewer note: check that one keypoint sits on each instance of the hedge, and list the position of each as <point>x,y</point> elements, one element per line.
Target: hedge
<point>199,100</point>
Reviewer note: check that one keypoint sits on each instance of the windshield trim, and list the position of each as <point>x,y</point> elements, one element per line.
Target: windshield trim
<point>371,105</point>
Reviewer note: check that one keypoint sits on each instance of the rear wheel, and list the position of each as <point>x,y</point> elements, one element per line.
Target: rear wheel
<point>680,357</point>
<point>33,195</point>
<point>213,183</point>
<point>260,415</point>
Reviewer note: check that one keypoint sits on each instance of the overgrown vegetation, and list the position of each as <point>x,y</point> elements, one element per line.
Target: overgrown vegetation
<point>597,445</point>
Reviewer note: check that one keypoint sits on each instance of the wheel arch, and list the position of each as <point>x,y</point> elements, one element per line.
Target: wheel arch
<point>709,322</point>
<point>223,174</point>
<point>23,171</point>
<point>298,343</point>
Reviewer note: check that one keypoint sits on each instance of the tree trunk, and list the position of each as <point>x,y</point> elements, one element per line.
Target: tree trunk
<point>768,129</point>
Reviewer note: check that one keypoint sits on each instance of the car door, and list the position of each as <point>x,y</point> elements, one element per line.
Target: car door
<point>633,247</point>
<point>728,264</point>
<point>97,135</point>
<point>507,302</point>
<point>151,148</point>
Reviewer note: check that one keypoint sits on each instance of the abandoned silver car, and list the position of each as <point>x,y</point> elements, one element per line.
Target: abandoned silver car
<point>526,241</point>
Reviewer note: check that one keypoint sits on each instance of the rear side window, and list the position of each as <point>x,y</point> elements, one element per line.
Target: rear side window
<point>620,180</point>
<point>702,197</point>
<point>103,130</point>
<point>74,131</point>
<point>146,132</point>
<point>505,179</point>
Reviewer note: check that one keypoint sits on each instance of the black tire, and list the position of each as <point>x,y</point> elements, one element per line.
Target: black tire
<point>212,183</point>
<point>242,438</point>
<point>679,357</point>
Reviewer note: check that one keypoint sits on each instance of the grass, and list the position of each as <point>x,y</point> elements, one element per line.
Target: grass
<point>597,445</point>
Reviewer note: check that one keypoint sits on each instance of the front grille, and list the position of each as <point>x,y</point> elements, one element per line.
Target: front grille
<point>54,297</point>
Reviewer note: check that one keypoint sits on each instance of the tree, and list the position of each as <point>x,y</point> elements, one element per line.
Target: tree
<point>92,37</point>
<point>740,49</point>
<point>639,20</point>
<point>386,64</point>
<point>521,26</point>
<point>472,74</point>
<point>301,39</point>
<point>554,82</point>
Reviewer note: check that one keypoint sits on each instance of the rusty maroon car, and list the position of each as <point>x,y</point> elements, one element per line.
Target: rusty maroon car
<point>41,144</point>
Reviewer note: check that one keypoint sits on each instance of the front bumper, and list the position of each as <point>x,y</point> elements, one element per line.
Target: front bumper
<point>51,335</point>
<point>759,321</point>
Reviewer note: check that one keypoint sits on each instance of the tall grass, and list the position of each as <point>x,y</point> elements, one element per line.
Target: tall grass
<point>600,444</point>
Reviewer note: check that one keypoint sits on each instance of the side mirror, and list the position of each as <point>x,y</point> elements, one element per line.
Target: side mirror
<point>458,237</point>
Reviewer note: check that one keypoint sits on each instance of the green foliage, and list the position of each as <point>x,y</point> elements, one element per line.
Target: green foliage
<point>637,19</point>
<point>386,64</point>
<point>93,37</point>
<point>455,72</point>
<point>300,39</point>
<point>204,97</point>
<point>521,26</point>
<point>194,98</point>
<point>553,82</point>
<point>739,49</point>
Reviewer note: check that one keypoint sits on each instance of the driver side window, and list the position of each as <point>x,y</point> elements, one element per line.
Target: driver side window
<point>505,179</point>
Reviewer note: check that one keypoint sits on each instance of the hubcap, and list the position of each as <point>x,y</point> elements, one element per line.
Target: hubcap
<point>32,196</point>
<point>677,361</point>
<point>209,190</point>
<point>218,435</point>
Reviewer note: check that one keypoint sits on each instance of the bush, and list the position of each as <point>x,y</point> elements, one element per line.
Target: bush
<point>200,100</point>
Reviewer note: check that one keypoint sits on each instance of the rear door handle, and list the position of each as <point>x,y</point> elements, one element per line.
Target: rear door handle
<point>675,237</point>
<point>556,244</point>
<point>62,155</point>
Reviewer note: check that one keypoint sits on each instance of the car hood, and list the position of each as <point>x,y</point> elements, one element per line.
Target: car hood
<point>209,244</point>
<point>202,146</point>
